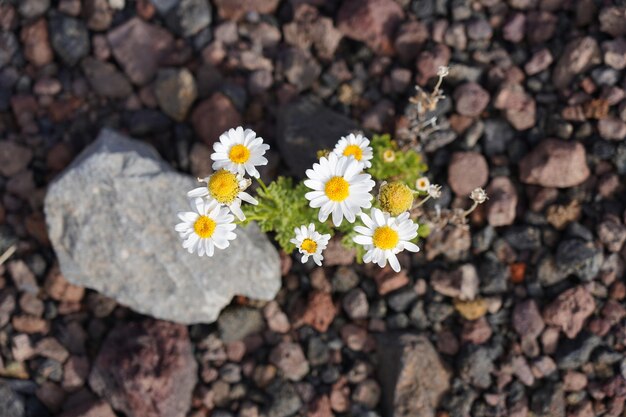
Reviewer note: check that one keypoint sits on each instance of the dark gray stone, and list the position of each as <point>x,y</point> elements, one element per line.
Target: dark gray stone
<point>285,399</point>
<point>548,401</point>
<point>69,38</point>
<point>523,237</point>
<point>579,258</point>
<point>574,353</point>
<point>476,366</point>
<point>8,47</point>
<point>106,79</point>
<point>189,17</point>
<point>118,237</point>
<point>11,404</point>
<point>305,127</point>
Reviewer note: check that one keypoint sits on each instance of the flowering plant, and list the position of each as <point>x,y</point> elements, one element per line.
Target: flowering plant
<point>369,192</point>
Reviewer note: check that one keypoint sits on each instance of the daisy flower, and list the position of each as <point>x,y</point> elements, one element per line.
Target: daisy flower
<point>239,151</point>
<point>227,189</point>
<point>356,147</point>
<point>339,188</point>
<point>422,184</point>
<point>310,243</point>
<point>207,227</point>
<point>385,236</point>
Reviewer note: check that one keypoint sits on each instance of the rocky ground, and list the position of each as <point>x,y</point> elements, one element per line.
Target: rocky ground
<point>521,314</point>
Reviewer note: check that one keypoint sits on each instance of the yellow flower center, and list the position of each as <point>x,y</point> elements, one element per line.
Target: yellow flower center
<point>353,150</point>
<point>422,184</point>
<point>337,189</point>
<point>395,198</point>
<point>385,238</point>
<point>308,245</point>
<point>204,227</point>
<point>223,186</point>
<point>389,155</point>
<point>239,154</point>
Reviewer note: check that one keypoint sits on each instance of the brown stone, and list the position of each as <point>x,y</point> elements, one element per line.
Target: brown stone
<point>470,99</point>
<point>146,369</point>
<point>555,163</point>
<point>371,21</point>
<point>578,56</point>
<point>214,116</point>
<point>36,43</point>
<point>467,171</point>
<point>135,35</point>
<point>319,313</point>
<point>502,203</point>
<point>412,375</point>
<point>570,310</point>
<point>238,9</point>
<point>90,409</point>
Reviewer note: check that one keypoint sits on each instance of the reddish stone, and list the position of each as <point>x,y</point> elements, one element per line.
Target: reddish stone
<point>214,116</point>
<point>467,171</point>
<point>30,324</point>
<point>388,281</point>
<point>320,311</point>
<point>502,203</point>
<point>90,409</point>
<point>470,99</point>
<point>146,369</point>
<point>555,163</point>
<point>570,310</point>
<point>238,9</point>
<point>36,43</point>
<point>58,288</point>
<point>371,21</point>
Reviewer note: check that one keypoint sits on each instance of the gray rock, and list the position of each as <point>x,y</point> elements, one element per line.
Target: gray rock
<point>164,6</point>
<point>10,403</point>
<point>8,47</point>
<point>111,218</point>
<point>300,68</point>
<point>412,375</point>
<point>576,257</point>
<point>175,91</point>
<point>189,17</point>
<point>476,365</point>
<point>285,399</point>
<point>549,401</point>
<point>105,79</point>
<point>31,9</point>
<point>70,38</point>
<point>237,322</point>
<point>523,237</point>
<point>305,127</point>
<point>574,353</point>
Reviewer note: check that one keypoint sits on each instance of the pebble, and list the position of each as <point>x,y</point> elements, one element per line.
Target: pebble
<point>237,322</point>
<point>355,304</point>
<point>460,283</point>
<point>137,35</point>
<point>277,320</point>
<point>519,107</point>
<point>300,68</point>
<point>319,313</point>
<point>502,203</point>
<point>206,126</point>
<point>513,30</point>
<point>527,320</point>
<point>555,163</point>
<point>612,128</point>
<point>188,17</point>
<point>578,56</point>
<point>574,353</point>
<point>31,9</point>
<point>467,171</point>
<point>570,310</point>
<point>476,332</point>
<point>69,38</point>
<point>614,53</point>
<point>105,79</point>
<point>175,91</point>
<point>579,258</point>
<point>13,158</point>
<point>371,21</point>
<point>410,38</point>
<point>470,99</point>
<point>612,20</point>
<point>238,9</point>
<point>98,14</point>
<point>36,43</point>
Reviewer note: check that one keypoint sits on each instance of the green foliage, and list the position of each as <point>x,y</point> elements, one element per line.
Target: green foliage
<point>407,165</point>
<point>282,207</point>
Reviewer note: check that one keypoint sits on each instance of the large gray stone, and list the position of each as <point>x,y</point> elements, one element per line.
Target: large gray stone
<point>111,218</point>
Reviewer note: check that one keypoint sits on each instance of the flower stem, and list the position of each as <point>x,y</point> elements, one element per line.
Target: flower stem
<point>469,210</point>
<point>262,184</point>
<point>421,203</point>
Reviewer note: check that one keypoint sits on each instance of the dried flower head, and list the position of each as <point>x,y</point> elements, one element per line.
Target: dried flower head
<point>395,198</point>
<point>434,191</point>
<point>422,184</point>
<point>479,196</point>
<point>443,71</point>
